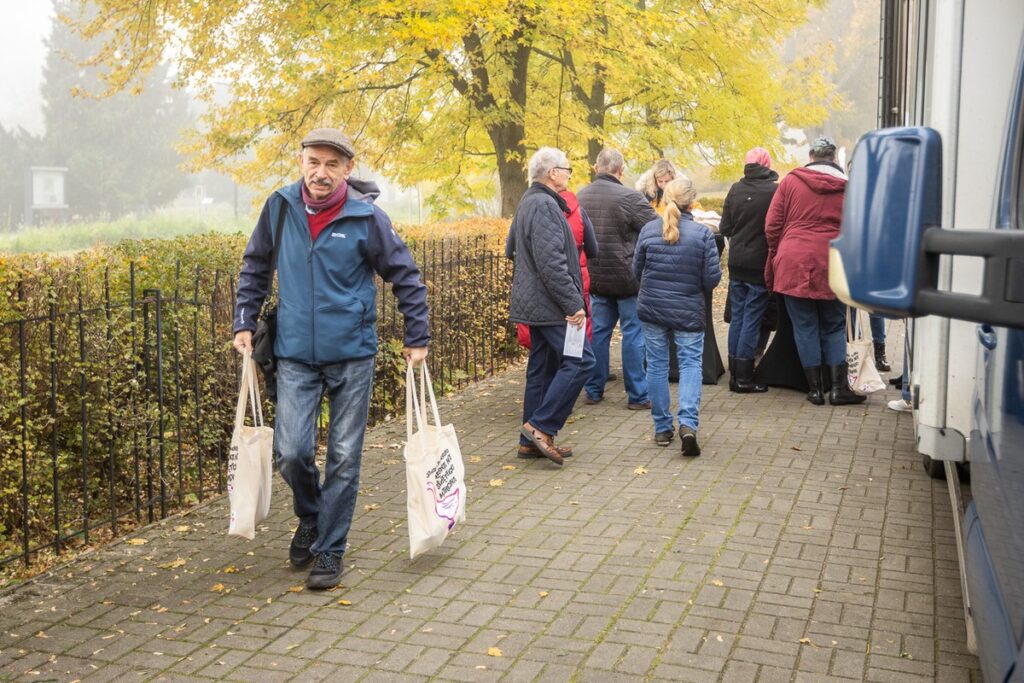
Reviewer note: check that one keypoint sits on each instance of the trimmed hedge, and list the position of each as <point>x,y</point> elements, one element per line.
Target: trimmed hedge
<point>116,400</point>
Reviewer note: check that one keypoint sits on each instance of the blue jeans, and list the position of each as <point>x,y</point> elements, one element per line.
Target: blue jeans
<point>748,302</point>
<point>819,330</point>
<point>877,328</point>
<point>606,311</point>
<point>329,506</point>
<point>689,352</point>
<point>553,380</point>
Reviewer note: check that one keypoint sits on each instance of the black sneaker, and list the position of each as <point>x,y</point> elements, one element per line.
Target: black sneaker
<point>663,438</point>
<point>689,439</point>
<point>326,572</point>
<point>299,553</point>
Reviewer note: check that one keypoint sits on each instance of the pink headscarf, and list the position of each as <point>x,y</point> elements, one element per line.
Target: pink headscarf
<point>759,155</point>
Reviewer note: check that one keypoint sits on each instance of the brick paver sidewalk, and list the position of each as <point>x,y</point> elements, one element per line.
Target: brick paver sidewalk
<point>806,544</point>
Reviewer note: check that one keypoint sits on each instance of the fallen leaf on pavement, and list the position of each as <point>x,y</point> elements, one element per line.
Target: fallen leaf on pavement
<point>493,652</point>
<point>640,470</point>
<point>173,565</point>
<point>496,482</point>
<point>508,468</point>
<point>137,541</point>
<point>217,588</point>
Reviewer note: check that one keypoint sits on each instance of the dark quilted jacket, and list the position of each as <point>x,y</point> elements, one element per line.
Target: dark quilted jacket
<point>743,222</point>
<point>674,278</point>
<point>618,214</point>
<point>547,283</point>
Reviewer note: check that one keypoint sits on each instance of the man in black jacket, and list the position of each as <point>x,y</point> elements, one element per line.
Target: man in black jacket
<point>547,296</point>
<point>743,214</point>
<point>618,214</point>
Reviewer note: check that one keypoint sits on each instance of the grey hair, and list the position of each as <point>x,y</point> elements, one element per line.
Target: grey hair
<point>610,160</point>
<point>823,148</point>
<point>545,159</point>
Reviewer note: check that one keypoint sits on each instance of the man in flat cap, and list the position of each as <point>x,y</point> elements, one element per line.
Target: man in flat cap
<point>332,241</point>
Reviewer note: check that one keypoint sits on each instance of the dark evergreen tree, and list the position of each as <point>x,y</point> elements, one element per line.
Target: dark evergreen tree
<point>16,150</point>
<point>119,150</point>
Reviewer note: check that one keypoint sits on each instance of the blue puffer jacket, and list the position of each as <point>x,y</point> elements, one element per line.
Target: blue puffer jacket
<point>327,308</point>
<point>674,278</point>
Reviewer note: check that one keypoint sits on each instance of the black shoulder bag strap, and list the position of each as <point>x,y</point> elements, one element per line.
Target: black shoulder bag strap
<point>266,326</point>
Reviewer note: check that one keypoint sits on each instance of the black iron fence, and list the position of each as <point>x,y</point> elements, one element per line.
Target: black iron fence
<point>117,398</point>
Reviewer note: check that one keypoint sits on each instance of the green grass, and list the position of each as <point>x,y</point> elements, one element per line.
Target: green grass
<point>77,236</point>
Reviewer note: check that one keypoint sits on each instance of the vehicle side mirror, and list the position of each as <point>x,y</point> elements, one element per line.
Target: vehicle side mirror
<point>887,255</point>
<point>894,194</point>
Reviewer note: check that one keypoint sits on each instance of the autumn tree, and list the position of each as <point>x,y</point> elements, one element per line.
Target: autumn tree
<point>455,91</point>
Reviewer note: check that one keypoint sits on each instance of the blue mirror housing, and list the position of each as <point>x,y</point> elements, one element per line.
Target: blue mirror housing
<point>894,194</point>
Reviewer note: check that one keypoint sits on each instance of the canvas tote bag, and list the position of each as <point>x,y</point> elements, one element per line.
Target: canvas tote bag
<point>860,356</point>
<point>434,473</point>
<point>250,463</point>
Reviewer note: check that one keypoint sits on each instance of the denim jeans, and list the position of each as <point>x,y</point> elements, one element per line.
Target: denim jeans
<point>819,330</point>
<point>606,311</point>
<point>553,380</point>
<point>349,385</point>
<point>748,302</point>
<point>689,351</point>
<point>877,328</point>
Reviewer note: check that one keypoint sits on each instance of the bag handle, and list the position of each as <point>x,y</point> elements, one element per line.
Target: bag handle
<point>412,404</point>
<point>425,379</point>
<point>417,401</point>
<point>248,392</point>
<point>853,324</point>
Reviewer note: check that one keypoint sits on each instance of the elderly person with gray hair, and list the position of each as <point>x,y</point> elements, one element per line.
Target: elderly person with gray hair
<point>547,296</point>
<point>618,214</point>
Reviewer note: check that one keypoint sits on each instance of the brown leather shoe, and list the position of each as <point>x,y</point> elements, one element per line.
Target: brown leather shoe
<point>543,443</point>
<point>530,451</point>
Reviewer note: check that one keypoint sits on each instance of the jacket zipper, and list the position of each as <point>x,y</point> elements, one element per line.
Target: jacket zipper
<point>312,293</point>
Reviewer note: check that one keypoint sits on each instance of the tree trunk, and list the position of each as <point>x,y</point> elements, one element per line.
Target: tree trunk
<point>509,137</point>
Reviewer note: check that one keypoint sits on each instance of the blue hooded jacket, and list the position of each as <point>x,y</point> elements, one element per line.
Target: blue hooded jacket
<point>327,302</point>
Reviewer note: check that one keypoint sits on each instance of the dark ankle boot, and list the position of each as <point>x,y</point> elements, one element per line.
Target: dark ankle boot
<point>744,375</point>
<point>881,364</point>
<point>814,394</point>
<point>732,373</point>
<point>841,393</point>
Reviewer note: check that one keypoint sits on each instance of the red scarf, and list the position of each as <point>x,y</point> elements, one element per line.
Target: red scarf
<point>327,209</point>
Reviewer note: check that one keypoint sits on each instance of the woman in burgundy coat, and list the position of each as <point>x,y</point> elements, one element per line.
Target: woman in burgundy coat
<point>804,215</point>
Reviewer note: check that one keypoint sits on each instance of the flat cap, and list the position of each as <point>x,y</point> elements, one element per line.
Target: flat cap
<point>330,137</point>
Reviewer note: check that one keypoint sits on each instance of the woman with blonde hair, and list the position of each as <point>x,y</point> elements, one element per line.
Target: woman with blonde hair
<point>677,264</point>
<point>652,183</point>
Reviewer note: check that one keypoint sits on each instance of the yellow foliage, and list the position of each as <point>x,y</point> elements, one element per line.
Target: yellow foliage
<point>460,92</point>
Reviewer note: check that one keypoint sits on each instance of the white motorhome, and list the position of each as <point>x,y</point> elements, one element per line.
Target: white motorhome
<point>933,229</point>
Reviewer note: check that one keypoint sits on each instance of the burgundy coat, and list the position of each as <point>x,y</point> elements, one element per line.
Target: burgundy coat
<point>803,216</point>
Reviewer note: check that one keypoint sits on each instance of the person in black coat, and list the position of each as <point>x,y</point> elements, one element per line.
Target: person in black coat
<point>547,296</point>
<point>743,216</point>
<point>618,214</point>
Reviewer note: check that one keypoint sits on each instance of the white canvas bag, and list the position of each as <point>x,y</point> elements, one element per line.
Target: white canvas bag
<point>250,463</point>
<point>860,357</point>
<point>434,473</point>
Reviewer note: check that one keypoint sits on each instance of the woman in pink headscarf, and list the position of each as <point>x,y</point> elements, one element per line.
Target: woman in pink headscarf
<point>743,215</point>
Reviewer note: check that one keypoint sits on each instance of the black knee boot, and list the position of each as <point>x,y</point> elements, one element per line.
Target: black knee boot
<point>744,375</point>
<point>841,393</point>
<point>732,373</point>
<point>814,394</point>
<point>881,364</point>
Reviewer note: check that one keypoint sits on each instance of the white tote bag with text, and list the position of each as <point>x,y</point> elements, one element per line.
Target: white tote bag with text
<point>250,463</point>
<point>434,472</point>
<point>860,356</point>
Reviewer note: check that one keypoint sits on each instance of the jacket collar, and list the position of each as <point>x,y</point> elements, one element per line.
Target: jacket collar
<point>609,177</point>
<point>354,207</point>
<point>536,187</point>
